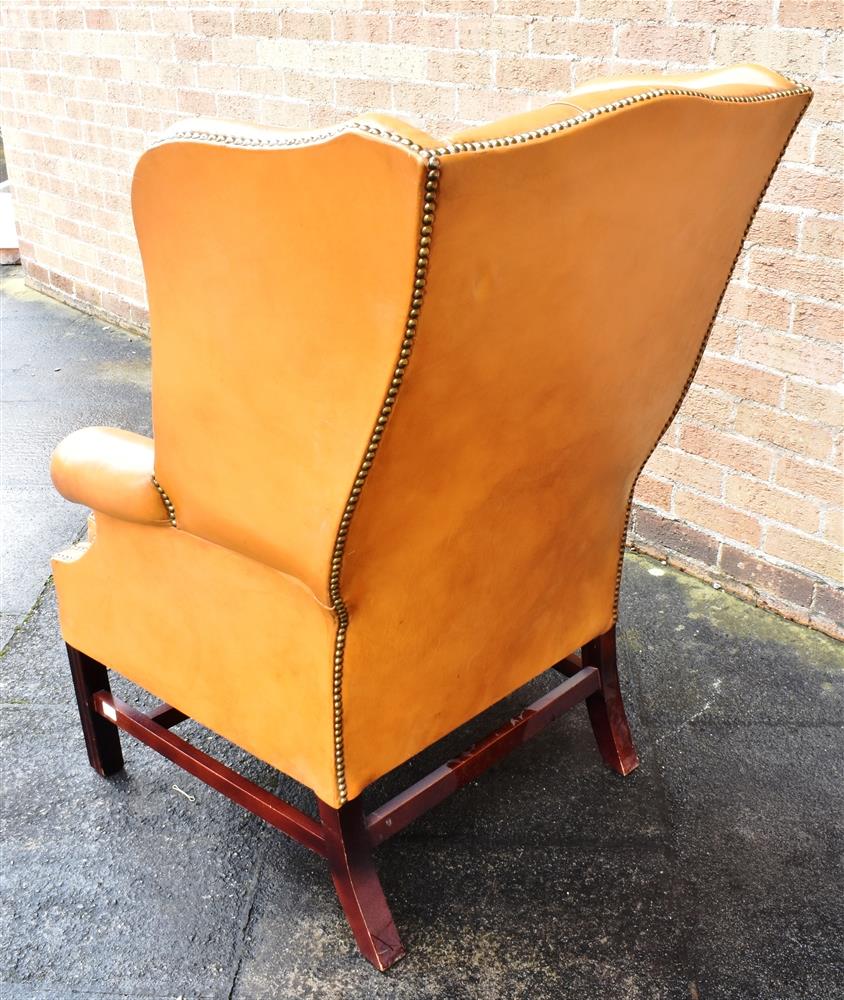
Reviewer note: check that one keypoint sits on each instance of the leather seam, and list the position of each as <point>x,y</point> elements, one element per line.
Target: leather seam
<point>426,222</point>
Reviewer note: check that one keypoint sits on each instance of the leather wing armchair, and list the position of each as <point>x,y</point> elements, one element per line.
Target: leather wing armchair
<point>402,391</point>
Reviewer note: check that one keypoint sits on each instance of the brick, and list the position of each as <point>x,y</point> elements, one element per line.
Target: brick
<point>522,73</point>
<point>790,51</point>
<point>618,11</point>
<point>684,45</point>
<point>766,578</point>
<point>213,22</point>
<point>308,87</point>
<point>238,106</point>
<point>310,26</point>
<point>827,103</point>
<point>811,14</point>
<point>807,188</point>
<point>827,484</point>
<point>460,67</point>
<point>799,274</point>
<point>217,76</point>
<point>393,62</point>
<point>459,6</point>
<point>196,102</point>
<point>726,12</point>
<point>69,20</point>
<point>320,116</point>
<point>678,466</point>
<point>260,80</point>
<point>771,502</point>
<point>363,95</point>
<point>717,517</point>
<point>100,20</point>
<point>728,450</point>
<point>414,99</point>
<point>826,405</point>
<point>675,536</point>
<point>809,553</point>
<point>774,228</point>
<point>833,527</point>
<point>655,492</point>
<point>824,237</point>
<point>172,20</point>
<point>134,19</point>
<point>707,407</point>
<point>834,57</point>
<point>236,51</point>
<point>174,75</point>
<point>287,114</point>
<point>740,380</point>
<point>586,70</point>
<point>263,23</point>
<point>819,321</point>
<point>723,338</point>
<point>829,148</point>
<point>361,28</point>
<point>193,49</point>
<point>578,40</point>
<point>487,105</point>
<point>106,68</point>
<point>509,34</point>
<point>431,32</point>
<point>829,602</point>
<point>756,305</point>
<point>823,482</point>
<point>800,436</point>
<point>793,355</point>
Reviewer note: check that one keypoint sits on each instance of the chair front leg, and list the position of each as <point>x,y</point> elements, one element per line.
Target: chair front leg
<point>357,883</point>
<point>102,739</point>
<point>606,708</point>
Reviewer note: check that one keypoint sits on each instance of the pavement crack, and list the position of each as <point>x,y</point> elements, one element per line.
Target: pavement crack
<point>240,946</point>
<point>716,687</point>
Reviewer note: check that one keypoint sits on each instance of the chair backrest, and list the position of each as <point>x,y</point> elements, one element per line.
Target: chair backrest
<point>423,376</point>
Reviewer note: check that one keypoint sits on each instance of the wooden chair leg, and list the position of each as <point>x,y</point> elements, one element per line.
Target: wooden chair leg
<point>102,739</point>
<point>606,708</point>
<point>357,883</point>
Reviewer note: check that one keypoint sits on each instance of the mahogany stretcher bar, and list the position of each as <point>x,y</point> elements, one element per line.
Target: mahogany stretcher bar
<point>346,836</point>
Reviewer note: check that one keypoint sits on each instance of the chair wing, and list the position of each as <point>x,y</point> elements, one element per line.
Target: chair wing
<point>574,274</point>
<point>278,270</point>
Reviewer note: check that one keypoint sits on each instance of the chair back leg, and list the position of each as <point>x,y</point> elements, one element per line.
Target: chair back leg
<point>357,883</point>
<point>102,739</point>
<point>606,708</point>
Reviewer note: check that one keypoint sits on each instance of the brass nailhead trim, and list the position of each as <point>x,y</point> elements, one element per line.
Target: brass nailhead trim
<point>168,505</point>
<point>313,138</point>
<point>431,158</point>
<point>584,116</point>
<point>432,178</point>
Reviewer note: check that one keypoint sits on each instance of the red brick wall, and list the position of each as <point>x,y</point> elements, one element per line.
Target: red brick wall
<point>746,488</point>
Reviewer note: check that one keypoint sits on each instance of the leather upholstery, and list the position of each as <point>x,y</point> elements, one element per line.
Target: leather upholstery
<point>111,470</point>
<point>571,281</point>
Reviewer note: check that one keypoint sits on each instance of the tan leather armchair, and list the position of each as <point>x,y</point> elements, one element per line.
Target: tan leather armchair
<point>402,391</point>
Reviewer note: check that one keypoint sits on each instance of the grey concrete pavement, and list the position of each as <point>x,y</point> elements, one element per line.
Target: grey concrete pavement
<point>61,370</point>
<point>711,873</point>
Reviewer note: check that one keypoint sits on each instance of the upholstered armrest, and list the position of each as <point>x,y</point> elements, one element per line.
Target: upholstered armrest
<point>110,471</point>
